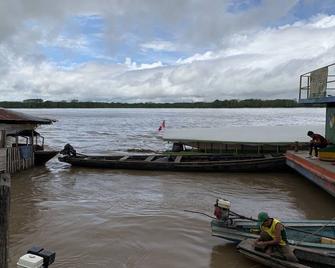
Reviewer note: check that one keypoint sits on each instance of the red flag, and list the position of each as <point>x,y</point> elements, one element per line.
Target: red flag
<point>162,125</point>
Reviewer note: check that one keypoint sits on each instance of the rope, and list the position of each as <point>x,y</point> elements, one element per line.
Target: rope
<point>319,230</point>
<point>201,213</point>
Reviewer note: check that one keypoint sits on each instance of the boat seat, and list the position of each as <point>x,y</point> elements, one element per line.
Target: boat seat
<point>149,158</point>
<point>178,159</point>
<point>326,240</point>
<point>124,158</point>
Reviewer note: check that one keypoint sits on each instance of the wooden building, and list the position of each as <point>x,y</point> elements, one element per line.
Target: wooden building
<point>18,140</point>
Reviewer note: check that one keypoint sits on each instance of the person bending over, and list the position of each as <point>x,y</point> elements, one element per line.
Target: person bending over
<point>273,239</point>
<point>317,142</point>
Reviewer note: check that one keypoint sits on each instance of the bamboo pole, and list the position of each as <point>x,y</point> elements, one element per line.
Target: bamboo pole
<point>4,218</point>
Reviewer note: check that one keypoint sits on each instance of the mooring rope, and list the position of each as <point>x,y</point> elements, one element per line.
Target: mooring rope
<point>319,230</point>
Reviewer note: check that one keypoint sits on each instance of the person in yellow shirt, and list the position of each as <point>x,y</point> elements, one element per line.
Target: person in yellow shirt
<point>273,239</point>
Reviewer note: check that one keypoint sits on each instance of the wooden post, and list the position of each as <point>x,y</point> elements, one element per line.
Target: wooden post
<point>4,217</point>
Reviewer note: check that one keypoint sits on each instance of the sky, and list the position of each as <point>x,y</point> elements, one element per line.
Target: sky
<point>161,50</point>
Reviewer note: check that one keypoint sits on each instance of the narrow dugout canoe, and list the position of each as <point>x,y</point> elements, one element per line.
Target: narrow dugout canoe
<point>307,257</point>
<point>196,162</point>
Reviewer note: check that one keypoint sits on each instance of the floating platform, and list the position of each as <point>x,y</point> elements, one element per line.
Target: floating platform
<point>319,172</point>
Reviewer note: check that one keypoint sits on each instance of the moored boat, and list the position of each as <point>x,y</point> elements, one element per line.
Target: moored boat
<point>306,257</point>
<point>317,234</point>
<point>308,233</point>
<point>179,162</point>
<point>43,156</point>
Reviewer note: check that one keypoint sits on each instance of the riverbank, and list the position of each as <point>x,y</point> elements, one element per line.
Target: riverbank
<point>235,103</point>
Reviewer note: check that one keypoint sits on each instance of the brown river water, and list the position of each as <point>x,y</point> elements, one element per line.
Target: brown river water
<point>115,218</point>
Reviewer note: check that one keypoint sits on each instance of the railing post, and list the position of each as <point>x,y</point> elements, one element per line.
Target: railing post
<point>308,86</point>
<point>4,216</point>
<point>300,87</point>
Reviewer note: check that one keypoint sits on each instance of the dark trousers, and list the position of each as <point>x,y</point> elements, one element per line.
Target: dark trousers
<point>284,252</point>
<point>316,147</point>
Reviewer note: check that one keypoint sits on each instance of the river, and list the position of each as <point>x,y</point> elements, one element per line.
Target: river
<point>115,218</point>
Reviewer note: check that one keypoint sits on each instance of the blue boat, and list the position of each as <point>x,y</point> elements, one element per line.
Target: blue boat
<point>306,257</point>
<point>315,234</point>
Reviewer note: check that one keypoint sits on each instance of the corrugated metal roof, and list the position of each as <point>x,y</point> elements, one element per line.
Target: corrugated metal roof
<point>13,117</point>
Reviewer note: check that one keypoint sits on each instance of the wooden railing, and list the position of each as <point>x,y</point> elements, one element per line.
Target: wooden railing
<point>317,84</point>
<point>15,162</point>
<point>3,152</point>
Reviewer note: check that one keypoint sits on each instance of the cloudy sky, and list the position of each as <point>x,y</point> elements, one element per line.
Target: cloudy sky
<point>161,50</point>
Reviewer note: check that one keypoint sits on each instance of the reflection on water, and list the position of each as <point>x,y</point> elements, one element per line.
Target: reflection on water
<point>104,218</point>
<point>226,256</point>
<point>114,218</point>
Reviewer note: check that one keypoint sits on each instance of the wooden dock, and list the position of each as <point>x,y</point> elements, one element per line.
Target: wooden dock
<point>319,172</point>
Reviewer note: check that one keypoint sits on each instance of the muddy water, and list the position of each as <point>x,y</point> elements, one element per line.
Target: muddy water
<point>106,218</point>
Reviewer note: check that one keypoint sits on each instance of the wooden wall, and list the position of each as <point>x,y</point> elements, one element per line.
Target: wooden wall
<point>3,153</point>
<point>2,138</point>
<point>14,161</point>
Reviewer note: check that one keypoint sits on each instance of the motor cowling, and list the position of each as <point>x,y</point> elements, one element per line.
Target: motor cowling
<point>222,209</point>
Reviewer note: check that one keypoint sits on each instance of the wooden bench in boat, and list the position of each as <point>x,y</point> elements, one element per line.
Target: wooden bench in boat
<point>178,159</point>
<point>124,158</point>
<point>150,158</point>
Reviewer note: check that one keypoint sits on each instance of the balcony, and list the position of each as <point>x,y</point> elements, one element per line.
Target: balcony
<point>318,86</point>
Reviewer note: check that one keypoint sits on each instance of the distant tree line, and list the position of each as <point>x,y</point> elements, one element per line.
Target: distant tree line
<point>247,103</point>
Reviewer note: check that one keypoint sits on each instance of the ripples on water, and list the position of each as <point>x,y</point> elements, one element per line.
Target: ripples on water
<point>114,218</point>
<point>113,130</point>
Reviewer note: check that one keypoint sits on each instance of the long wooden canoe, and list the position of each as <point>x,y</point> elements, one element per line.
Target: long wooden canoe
<point>207,163</point>
<point>306,257</point>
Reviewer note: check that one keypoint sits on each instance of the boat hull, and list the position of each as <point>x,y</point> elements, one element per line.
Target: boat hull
<point>41,156</point>
<point>306,257</point>
<point>298,232</point>
<point>188,163</point>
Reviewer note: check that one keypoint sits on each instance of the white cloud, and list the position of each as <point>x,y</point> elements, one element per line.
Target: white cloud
<point>134,66</point>
<point>159,45</point>
<point>79,42</point>
<point>209,55</point>
<point>242,58</point>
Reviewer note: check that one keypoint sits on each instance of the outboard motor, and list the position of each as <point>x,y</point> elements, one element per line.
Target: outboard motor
<point>222,209</point>
<point>68,150</point>
<point>36,257</point>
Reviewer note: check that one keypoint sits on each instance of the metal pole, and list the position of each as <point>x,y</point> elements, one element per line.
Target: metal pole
<point>300,87</point>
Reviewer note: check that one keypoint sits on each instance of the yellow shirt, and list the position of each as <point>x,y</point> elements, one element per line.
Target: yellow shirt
<point>272,231</point>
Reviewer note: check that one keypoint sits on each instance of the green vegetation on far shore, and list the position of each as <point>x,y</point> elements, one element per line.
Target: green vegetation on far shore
<point>248,103</point>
